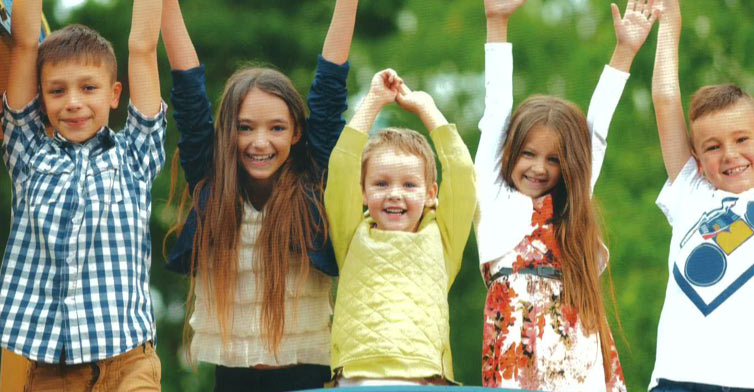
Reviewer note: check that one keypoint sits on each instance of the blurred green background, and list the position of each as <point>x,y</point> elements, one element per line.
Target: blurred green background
<point>560,47</point>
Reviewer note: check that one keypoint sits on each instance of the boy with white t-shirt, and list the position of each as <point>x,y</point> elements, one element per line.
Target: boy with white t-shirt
<point>704,342</point>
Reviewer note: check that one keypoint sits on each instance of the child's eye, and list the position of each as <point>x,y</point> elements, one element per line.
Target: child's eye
<point>711,148</point>
<point>381,183</point>
<point>55,91</point>
<point>278,128</point>
<point>554,160</point>
<point>90,87</point>
<point>742,139</point>
<point>243,128</point>
<point>527,153</point>
<point>409,185</point>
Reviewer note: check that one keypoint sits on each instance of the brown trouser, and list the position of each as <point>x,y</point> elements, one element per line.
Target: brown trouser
<point>135,370</point>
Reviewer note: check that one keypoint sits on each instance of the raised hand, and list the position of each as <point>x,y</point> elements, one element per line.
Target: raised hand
<point>501,8</point>
<point>632,30</point>
<point>384,87</point>
<point>422,105</point>
<point>383,90</point>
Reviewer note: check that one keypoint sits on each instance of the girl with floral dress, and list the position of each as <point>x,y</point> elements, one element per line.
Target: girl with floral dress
<point>538,235</point>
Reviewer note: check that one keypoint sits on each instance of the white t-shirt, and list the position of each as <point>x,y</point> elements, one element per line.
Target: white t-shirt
<point>705,331</point>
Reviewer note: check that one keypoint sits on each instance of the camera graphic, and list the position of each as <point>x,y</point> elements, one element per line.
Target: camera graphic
<point>708,262</point>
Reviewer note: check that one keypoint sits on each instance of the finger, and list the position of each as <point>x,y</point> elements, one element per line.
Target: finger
<point>656,13</point>
<point>404,89</point>
<point>650,9</point>
<point>616,14</point>
<point>631,6</point>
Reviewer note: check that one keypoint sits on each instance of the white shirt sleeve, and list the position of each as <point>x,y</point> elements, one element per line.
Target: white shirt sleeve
<point>601,109</point>
<point>674,194</point>
<point>503,215</point>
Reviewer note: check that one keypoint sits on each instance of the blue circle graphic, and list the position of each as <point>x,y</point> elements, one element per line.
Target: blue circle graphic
<point>706,265</point>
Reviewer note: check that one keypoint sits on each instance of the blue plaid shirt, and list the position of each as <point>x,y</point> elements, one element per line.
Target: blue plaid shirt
<point>75,274</point>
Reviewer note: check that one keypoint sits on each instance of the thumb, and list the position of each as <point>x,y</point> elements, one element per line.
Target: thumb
<point>616,14</point>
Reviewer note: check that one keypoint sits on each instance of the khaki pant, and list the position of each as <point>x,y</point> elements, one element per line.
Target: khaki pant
<point>136,370</point>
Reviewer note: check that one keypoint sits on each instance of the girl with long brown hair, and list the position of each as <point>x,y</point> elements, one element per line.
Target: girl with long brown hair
<point>256,308</point>
<point>539,239</point>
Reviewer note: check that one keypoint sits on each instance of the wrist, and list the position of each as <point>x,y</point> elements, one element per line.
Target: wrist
<point>497,29</point>
<point>623,57</point>
<point>432,118</point>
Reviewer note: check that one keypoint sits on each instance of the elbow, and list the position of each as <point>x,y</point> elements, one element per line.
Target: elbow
<point>142,47</point>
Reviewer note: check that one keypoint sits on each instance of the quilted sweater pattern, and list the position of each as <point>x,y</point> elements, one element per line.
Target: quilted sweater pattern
<point>391,315</point>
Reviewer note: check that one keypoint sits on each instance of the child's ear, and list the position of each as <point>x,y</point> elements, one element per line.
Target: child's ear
<point>296,135</point>
<point>431,195</point>
<point>363,196</point>
<point>117,89</point>
<point>699,167</point>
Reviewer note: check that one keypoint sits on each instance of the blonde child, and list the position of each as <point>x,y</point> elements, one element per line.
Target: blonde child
<point>75,276</point>
<point>398,260</point>
<point>538,235</point>
<point>709,203</point>
<point>261,314</point>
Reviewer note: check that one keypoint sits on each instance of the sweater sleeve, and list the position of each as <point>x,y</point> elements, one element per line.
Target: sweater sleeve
<point>343,201</point>
<point>457,196</point>
<point>327,100</point>
<point>193,118</point>
<point>601,109</point>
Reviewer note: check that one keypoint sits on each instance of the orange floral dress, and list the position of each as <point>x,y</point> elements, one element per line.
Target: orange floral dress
<point>531,340</point>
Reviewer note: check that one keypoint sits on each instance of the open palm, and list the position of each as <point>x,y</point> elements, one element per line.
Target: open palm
<point>632,30</point>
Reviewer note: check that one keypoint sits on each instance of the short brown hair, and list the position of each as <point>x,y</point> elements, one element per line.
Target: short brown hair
<point>77,43</point>
<point>405,140</point>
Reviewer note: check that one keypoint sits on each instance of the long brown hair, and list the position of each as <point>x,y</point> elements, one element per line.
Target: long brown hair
<point>288,223</point>
<point>574,217</point>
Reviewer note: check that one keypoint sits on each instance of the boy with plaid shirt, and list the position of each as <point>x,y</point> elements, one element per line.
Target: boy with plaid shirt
<point>74,283</point>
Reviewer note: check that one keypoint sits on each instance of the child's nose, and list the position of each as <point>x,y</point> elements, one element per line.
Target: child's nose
<point>260,141</point>
<point>74,101</point>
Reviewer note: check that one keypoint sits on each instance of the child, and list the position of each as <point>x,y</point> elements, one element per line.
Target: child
<point>75,276</point>
<point>397,261</point>
<point>539,239</point>
<point>709,203</point>
<point>259,313</point>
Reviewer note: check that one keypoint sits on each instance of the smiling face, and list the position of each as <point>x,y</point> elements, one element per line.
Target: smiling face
<point>266,132</point>
<point>723,143</point>
<point>78,97</point>
<point>537,168</point>
<point>395,189</point>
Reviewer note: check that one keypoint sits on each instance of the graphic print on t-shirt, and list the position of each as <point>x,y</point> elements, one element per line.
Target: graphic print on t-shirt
<point>712,263</point>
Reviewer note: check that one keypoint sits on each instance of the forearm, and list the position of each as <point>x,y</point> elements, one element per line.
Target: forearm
<point>365,114</point>
<point>26,22</point>
<point>338,41</point>
<point>666,96</point>
<point>622,58</point>
<point>602,106</point>
<point>432,118</point>
<point>181,52</point>
<point>327,101</point>
<point>143,77</point>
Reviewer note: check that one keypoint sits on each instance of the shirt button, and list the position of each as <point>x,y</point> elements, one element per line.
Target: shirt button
<point>69,301</point>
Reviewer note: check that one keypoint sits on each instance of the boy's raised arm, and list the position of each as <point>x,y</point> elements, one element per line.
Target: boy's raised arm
<point>338,40</point>
<point>666,91</point>
<point>26,24</point>
<point>181,52</point>
<point>143,78</point>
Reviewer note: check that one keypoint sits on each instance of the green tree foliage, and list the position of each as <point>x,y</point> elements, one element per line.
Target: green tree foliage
<point>560,47</point>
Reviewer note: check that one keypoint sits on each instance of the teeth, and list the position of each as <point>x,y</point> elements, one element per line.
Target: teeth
<point>736,170</point>
<point>261,157</point>
<point>395,210</point>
